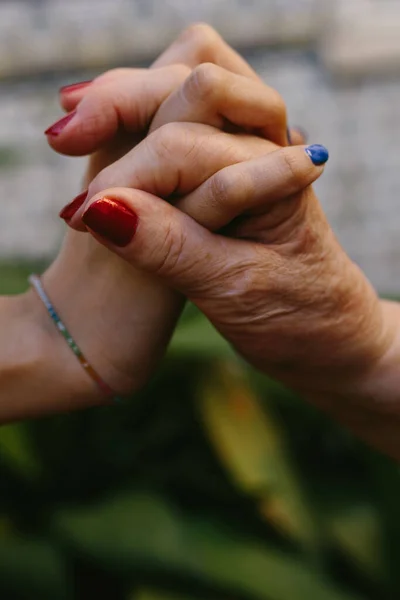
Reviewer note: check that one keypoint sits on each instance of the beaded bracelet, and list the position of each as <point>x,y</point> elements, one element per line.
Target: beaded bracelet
<point>36,283</point>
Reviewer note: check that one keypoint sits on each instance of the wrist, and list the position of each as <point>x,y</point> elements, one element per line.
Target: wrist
<point>39,373</point>
<point>380,386</point>
<point>121,319</point>
<point>367,400</point>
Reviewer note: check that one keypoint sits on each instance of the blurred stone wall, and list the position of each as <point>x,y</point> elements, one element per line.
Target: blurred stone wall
<point>61,34</point>
<point>335,62</point>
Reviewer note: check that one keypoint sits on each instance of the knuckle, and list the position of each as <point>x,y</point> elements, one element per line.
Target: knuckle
<point>220,189</point>
<point>203,83</point>
<point>172,140</point>
<point>290,167</point>
<point>242,190</point>
<point>95,117</point>
<point>170,251</point>
<point>181,70</point>
<point>230,191</point>
<point>203,38</point>
<point>112,74</point>
<point>167,139</point>
<point>101,182</point>
<point>277,106</point>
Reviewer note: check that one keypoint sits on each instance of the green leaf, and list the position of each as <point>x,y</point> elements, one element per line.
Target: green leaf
<point>17,452</point>
<point>357,531</point>
<point>6,526</point>
<point>148,594</point>
<point>134,532</point>
<point>352,523</point>
<point>153,594</point>
<point>197,337</point>
<point>250,445</point>
<point>32,568</point>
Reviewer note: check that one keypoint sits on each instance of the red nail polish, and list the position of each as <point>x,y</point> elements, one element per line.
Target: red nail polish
<point>74,87</point>
<point>70,209</point>
<point>57,127</point>
<point>112,220</point>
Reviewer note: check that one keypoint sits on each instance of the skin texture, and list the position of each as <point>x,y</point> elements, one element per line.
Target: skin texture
<point>118,109</point>
<point>37,374</point>
<point>121,317</point>
<point>276,283</point>
<point>279,287</point>
<point>292,303</point>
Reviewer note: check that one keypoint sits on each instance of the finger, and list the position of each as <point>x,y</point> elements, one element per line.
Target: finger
<point>128,100</point>
<point>252,187</point>
<point>157,238</point>
<point>70,95</point>
<point>175,160</point>
<point>199,44</point>
<point>297,136</point>
<point>212,95</point>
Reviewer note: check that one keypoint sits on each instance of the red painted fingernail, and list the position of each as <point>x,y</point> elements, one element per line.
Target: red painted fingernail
<point>57,127</point>
<point>74,87</point>
<point>70,209</point>
<point>112,220</point>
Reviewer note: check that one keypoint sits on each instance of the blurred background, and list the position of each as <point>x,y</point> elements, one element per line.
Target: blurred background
<point>213,483</point>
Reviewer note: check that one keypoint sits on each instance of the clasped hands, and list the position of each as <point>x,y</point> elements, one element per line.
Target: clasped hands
<point>194,191</point>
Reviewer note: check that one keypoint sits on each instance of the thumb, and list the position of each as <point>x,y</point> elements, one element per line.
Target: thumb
<point>156,237</point>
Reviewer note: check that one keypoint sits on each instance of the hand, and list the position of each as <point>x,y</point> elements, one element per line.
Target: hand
<point>114,111</point>
<point>276,284</point>
<point>120,104</point>
<point>343,387</point>
<point>254,200</point>
<point>86,279</point>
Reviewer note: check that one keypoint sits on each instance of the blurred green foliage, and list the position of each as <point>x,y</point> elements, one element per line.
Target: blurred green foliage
<point>212,483</point>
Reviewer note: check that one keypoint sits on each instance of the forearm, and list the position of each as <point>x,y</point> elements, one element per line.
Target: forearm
<point>368,403</point>
<point>38,372</point>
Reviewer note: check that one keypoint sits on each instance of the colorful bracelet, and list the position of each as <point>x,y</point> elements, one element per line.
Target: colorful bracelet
<point>36,283</point>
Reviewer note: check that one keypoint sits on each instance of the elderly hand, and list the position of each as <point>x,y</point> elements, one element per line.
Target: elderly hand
<point>258,257</point>
<point>293,303</point>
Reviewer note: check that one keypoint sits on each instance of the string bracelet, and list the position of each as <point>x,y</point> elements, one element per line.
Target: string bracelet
<point>37,285</point>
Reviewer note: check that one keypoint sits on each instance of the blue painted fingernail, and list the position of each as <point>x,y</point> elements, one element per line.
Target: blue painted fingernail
<point>318,154</point>
<point>289,137</point>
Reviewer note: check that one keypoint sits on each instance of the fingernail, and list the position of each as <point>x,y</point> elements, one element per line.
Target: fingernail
<point>112,220</point>
<point>58,126</point>
<point>289,137</point>
<point>302,132</point>
<point>73,87</point>
<point>318,154</point>
<point>70,209</point>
